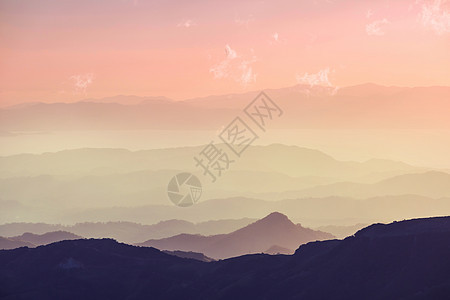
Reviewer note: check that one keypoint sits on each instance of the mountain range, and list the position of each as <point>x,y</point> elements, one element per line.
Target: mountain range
<point>75,182</point>
<point>275,160</point>
<point>274,230</point>
<point>273,234</point>
<point>401,260</point>
<point>127,232</point>
<point>431,184</point>
<point>312,212</point>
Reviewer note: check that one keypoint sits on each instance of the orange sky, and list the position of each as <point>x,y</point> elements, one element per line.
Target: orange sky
<point>70,50</point>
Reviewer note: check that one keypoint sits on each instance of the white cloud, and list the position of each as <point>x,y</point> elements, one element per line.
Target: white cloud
<point>234,67</point>
<point>275,36</point>
<point>369,14</point>
<point>82,81</point>
<point>374,28</point>
<point>319,78</point>
<point>247,76</point>
<point>231,54</point>
<point>276,39</point>
<point>186,24</point>
<point>435,16</point>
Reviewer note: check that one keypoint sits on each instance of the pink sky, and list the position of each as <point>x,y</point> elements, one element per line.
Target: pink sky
<point>71,50</point>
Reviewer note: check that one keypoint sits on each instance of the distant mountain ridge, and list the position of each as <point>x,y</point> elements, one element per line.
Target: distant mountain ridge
<point>274,229</point>
<point>108,178</point>
<point>8,243</point>
<point>33,240</point>
<point>122,231</point>
<point>363,105</point>
<point>428,184</point>
<point>284,159</point>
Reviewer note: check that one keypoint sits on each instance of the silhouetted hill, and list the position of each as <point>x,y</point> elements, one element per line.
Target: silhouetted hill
<point>93,269</point>
<point>402,260</point>
<point>274,229</point>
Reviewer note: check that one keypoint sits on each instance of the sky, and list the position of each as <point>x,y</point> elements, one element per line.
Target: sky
<point>63,51</point>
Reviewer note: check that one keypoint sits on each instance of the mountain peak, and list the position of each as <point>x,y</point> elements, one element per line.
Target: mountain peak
<point>275,217</point>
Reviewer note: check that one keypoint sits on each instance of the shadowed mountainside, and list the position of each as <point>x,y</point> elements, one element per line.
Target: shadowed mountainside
<point>402,260</point>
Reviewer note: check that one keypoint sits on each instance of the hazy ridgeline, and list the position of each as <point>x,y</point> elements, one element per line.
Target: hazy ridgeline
<point>311,187</point>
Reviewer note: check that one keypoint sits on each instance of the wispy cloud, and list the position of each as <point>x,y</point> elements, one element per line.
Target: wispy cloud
<point>231,54</point>
<point>275,36</point>
<point>186,23</point>
<point>369,14</point>
<point>321,78</point>
<point>247,75</point>
<point>435,16</point>
<point>236,67</point>
<point>82,81</point>
<point>374,28</point>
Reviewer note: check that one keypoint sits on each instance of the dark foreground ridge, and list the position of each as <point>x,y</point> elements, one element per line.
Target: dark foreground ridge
<point>402,260</point>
